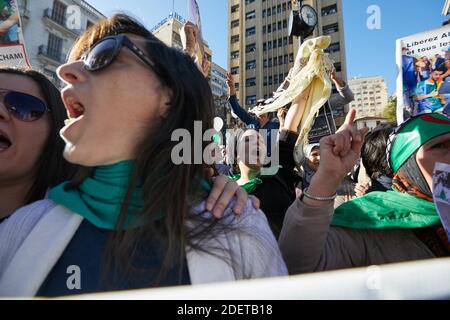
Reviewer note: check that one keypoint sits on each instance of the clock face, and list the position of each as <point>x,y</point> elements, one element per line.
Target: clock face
<point>309,15</point>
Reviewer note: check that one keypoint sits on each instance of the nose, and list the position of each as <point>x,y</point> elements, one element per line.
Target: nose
<point>72,72</point>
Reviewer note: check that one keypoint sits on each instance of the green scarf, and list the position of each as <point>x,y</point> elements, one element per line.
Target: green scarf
<point>249,186</point>
<point>386,210</point>
<point>99,198</point>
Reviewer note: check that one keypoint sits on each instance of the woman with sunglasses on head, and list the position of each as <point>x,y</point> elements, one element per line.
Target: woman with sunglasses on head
<point>31,162</point>
<point>134,219</point>
<point>380,227</point>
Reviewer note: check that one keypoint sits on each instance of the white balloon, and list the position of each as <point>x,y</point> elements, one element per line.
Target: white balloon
<point>218,124</point>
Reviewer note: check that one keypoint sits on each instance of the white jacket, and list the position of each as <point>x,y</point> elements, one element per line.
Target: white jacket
<point>35,236</point>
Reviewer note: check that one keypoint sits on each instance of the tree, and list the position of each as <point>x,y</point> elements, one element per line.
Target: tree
<point>390,111</point>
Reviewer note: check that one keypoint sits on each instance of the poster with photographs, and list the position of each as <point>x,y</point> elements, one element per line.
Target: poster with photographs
<point>441,193</point>
<point>12,47</point>
<point>423,83</point>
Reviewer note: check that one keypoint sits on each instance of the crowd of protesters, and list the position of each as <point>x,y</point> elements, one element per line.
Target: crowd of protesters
<point>100,191</point>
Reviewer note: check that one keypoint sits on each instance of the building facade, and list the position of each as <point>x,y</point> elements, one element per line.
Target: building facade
<point>260,51</point>
<point>50,27</point>
<point>218,80</point>
<point>168,31</point>
<point>371,96</point>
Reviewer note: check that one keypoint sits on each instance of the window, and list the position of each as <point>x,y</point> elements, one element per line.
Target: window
<point>329,29</point>
<point>235,55</point>
<point>265,81</point>
<point>291,57</point>
<point>270,62</point>
<point>270,80</point>
<point>275,61</point>
<point>284,7</point>
<point>59,12</point>
<point>334,47</point>
<point>249,1</point>
<point>329,10</point>
<point>264,13</point>
<point>284,24</point>
<point>338,67</point>
<point>285,41</point>
<point>269,28</point>
<point>279,25</point>
<point>250,31</point>
<point>264,46</point>
<point>279,8</point>
<point>250,65</point>
<point>264,30</point>
<point>234,23</point>
<point>289,5</point>
<point>280,60</point>
<point>54,46</point>
<point>275,79</point>
<point>235,8</point>
<point>250,48</point>
<point>250,82</point>
<point>89,24</point>
<point>274,27</point>
<point>250,100</point>
<point>250,15</point>
<point>269,45</point>
<point>280,43</point>
<point>234,39</point>
<point>281,78</point>
<point>268,12</point>
<point>235,70</point>
<point>265,63</point>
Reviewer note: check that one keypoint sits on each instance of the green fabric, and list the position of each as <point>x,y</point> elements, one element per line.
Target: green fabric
<point>99,198</point>
<point>386,210</point>
<point>249,186</point>
<point>415,133</point>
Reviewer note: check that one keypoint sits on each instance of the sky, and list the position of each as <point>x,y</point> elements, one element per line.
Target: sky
<point>368,52</point>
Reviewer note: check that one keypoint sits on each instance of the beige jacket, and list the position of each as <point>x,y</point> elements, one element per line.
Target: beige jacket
<point>308,242</point>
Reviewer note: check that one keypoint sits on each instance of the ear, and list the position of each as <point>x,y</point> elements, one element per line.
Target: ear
<point>165,103</point>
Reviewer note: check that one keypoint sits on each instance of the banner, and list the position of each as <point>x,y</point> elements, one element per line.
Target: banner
<point>12,48</point>
<point>423,83</point>
<point>194,17</point>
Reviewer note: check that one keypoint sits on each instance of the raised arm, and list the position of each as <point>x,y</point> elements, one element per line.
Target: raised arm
<point>235,106</point>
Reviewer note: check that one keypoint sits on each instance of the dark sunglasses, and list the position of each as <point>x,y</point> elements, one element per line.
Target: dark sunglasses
<point>23,106</point>
<point>103,53</point>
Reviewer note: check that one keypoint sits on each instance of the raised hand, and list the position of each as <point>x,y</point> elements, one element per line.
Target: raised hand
<point>189,38</point>
<point>338,155</point>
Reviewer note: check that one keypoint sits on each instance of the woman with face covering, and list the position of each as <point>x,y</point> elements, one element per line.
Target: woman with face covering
<point>380,227</point>
<point>134,219</point>
<point>31,162</point>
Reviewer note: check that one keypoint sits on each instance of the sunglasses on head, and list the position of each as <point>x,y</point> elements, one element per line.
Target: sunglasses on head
<point>103,53</point>
<point>23,106</point>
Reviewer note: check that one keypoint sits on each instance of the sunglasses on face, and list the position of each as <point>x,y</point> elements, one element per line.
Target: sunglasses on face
<point>103,53</point>
<point>23,106</point>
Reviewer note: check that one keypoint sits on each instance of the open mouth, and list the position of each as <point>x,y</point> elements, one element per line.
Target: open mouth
<point>5,143</point>
<point>75,110</point>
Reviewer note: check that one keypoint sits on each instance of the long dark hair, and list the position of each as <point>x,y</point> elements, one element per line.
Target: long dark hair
<point>166,188</point>
<point>51,168</point>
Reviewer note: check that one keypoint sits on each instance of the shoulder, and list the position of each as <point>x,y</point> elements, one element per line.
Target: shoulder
<point>15,229</point>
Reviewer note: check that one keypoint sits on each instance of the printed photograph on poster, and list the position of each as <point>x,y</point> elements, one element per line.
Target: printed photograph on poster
<point>441,193</point>
<point>12,48</point>
<point>423,84</point>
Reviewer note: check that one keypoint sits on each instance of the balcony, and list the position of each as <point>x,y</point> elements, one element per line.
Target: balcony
<point>24,13</point>
<point>60,23</point>
<point>51,56</point>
